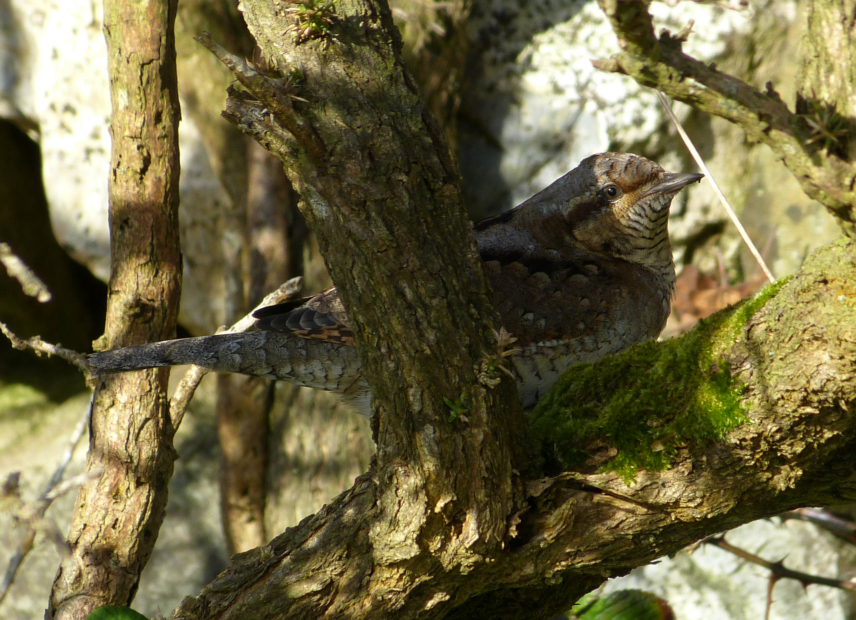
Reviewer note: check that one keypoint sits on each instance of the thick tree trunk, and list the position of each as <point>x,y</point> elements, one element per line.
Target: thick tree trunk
<point>118,514</point>
<point>382,195</point>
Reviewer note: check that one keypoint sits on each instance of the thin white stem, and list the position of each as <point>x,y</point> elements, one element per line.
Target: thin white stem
<point>722,198</point>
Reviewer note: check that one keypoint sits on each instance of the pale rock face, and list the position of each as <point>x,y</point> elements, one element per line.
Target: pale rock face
<point>53,59</point>
<point>61,86</point>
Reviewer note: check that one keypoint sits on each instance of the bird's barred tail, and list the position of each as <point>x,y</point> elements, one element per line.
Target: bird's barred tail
<point>311,363</point>
<point>170,353</point>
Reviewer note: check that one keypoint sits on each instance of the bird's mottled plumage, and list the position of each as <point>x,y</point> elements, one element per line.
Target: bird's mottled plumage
<point>581,270</point>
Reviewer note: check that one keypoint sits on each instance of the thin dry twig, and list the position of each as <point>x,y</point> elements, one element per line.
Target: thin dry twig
<point>31,284</point>
<point>45,348</point>
<point>190,381</point>
<point>33,513</point>
<point>73,441</point>
<point>771,583</point>
<point>825,520</point>
<point>778,570</point>
<point>722,199</point>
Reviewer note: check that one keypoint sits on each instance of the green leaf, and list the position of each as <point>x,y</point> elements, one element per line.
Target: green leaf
<point>113,612</point>
<point>623,605</point>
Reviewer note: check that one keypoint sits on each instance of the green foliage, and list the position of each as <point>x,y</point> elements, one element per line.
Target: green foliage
<point>457,406</point>
<point>613,413</point>
<point>623,605</point>
<point>315,18</point>
<point>827,126</point>
<point>112,612</point>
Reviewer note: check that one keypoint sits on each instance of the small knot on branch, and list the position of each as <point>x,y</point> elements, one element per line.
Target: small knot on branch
<point>610,65</point>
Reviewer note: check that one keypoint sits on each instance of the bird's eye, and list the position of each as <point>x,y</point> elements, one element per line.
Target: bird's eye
<point>611,192</point>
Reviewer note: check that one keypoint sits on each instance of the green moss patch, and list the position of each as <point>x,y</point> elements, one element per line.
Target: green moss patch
<point>619,413</point>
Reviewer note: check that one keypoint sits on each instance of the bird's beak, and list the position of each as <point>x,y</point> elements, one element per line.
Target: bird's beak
<point>673,182</point>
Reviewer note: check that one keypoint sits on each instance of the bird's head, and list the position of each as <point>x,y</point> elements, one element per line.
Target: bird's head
<point>623,210</point>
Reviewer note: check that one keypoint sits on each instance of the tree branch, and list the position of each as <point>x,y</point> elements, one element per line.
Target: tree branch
<point>824,174</point>
<point>40,347</point>
<point>778,570</point>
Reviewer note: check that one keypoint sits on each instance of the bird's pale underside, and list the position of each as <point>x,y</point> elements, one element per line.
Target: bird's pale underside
<point>581,270</point>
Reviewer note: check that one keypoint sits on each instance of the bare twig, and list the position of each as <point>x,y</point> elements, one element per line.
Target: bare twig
<point>190,381</point>
<point>277,94</point>
<point>75,438</point>
<point>778,570</point>
<point>45,348</point>
<point>709,176</point>
<point>33,514</point>
<point>771,583</point>
<point>825,520</point>
<point>31,284</point>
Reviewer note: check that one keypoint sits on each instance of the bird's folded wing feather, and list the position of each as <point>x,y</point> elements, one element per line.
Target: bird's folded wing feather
<point>547,301</point>
<point>320,317</point>
<point>540,301</point>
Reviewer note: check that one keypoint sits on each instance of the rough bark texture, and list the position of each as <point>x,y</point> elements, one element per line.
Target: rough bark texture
<point>119,513</point>
<point>795,357</point>
<point>382,194</point>
<point>820,164</point>
<point>435,49</point>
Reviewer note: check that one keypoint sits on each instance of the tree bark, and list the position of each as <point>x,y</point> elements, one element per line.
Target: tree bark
<point>794,356</point>
<point>382,194</point>
<point>118,514</point>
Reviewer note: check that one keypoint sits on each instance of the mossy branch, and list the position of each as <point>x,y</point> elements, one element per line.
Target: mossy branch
<point>636,410</point>
<point>660,63</point>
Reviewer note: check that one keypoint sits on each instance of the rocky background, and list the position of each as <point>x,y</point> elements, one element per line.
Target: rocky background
<point>513,84</point>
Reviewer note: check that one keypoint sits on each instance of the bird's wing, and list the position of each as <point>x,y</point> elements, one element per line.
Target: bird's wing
<point>320,317</point>
<point>544,300</point>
